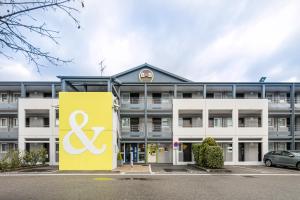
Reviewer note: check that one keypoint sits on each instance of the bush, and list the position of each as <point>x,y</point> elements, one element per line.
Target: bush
<point>208,154</point>
<point>13,159</point>
<point>214,157</point>
<point>27,158</point>
<point>42,154</point>
<point>119,156</point>
<point>4,165</point>
<point>35,157</point>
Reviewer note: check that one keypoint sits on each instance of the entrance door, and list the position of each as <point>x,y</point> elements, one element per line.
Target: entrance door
<point>187,152</point>
<point>152,150</point>
<point>131,148</point>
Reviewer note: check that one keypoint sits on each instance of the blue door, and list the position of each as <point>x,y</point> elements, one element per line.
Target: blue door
<point>135,153</point>
<point>131,148</point>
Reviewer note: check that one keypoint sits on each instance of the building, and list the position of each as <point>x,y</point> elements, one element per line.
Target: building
<point>156,110</point>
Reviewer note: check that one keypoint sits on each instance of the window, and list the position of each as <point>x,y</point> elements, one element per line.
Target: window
<point>270,96</point>
<point>134,98</point>
<point>281,122</point>
<point>56,117</point>
<point>156,123</point>
<point>46,122</point>
<point>16,96</point>
<point>125,123</point>
<point>271,122</point>
<point>4,148</point>
<point>187,95</point>
<point>217,122</point>
<point>218,95</point>
<point>125,98</point>
<point>282,97</point>
<point>285,153</point>
<point>15,122</point>
<point>4,97</point>
<point>3,122</point>
<point>186,122</point>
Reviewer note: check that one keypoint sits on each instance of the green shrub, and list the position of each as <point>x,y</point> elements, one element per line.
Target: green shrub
<point>208,154</point>
<point>27,159</point>
<point>210,141</point>
<point>42,154</point>
<point>119,156</point>
<point>13,159</point>
<point>4,165</point>
<point>35,157</point>
<point>196,152</point>
<point>214,157</point>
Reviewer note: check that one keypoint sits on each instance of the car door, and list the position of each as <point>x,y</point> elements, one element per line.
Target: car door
<point>286,158</point>
<point>276,157</point>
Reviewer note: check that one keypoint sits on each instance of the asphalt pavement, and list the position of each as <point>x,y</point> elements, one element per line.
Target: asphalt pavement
<point>164,186</point>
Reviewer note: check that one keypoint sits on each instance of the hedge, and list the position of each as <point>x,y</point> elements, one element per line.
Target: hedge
<point>214,157</point>
<point>208,154</point>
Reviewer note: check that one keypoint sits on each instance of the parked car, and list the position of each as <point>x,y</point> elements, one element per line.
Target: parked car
<point>283,158</point>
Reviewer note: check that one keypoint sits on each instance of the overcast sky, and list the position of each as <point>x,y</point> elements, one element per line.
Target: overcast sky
<point>199,40</point>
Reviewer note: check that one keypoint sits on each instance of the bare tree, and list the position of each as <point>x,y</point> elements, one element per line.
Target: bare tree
<point>18,21</point>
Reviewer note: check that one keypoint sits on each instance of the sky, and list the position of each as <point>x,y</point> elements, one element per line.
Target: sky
<point>234,40</point>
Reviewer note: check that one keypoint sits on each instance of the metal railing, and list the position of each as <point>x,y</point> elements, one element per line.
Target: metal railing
<point>279,128</point>
<point>132,128</point>
<point>279,100</point>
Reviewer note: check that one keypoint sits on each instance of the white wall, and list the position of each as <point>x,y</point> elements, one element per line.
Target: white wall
<point>233,132</point>
<point>50,132</point>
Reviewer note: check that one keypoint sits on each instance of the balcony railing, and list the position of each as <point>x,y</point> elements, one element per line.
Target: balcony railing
<point>280,131</point>
<point>37,126</point>
<point>159,103</point>
<point>134,131</point>
<point>279,100</point>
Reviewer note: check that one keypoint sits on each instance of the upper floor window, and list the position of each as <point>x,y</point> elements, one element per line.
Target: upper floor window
<point>4,97</point>
<point>3,122</point>
<point>56,117</point>
<point>15,122</point>
<point>16,96</point>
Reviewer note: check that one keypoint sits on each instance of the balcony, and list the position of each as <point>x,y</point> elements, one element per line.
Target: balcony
<point>37,118</point>
<point>279,132</point>
<point>220,119</point>
<point>135,131</point>
<point>297,130</point>
<point>9,106</point>
<point>156,131</point>
<point>250,118</point>
<point>159,103</point>
<point>132,104</point>
<point>297,103</point>
<point>9,133</point>
<point>279,103</point>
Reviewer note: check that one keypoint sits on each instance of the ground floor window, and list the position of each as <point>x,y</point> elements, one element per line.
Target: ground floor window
<point>56,152</point>
<point>185,152</point>
<point>250,151</point>
<point>5,147</point>
<point>137,149</point>
<point>160,153</point>
<point>37,146</point>
<point>227,151</point>
<point>279,146</point>
<point>297,145</point>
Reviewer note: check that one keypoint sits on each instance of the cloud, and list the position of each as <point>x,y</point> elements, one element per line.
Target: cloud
<point>199,40</point>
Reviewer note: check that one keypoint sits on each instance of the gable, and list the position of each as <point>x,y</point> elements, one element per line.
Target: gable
<point>157,75</point>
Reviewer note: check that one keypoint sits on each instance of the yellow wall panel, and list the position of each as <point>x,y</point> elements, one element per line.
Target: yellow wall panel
<point>85,130</point>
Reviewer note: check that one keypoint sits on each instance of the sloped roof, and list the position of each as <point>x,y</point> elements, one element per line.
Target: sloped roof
<point>146,65</point>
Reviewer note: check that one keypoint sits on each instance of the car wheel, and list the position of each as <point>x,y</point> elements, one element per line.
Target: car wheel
<point>298,165</point>
<point>268,163</point>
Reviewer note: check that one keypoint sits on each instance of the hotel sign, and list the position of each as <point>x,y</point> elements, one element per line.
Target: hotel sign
<point>146,75</point>
<point>85,131</point>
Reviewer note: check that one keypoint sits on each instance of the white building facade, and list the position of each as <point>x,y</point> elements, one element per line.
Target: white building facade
<point>239,126</point>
